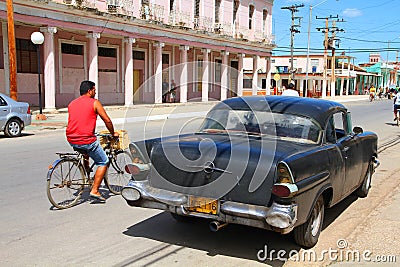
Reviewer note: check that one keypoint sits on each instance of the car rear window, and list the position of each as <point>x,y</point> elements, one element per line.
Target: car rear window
<point>263,123</point>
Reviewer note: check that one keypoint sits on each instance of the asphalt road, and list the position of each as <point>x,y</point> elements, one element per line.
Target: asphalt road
<point>114,234</point>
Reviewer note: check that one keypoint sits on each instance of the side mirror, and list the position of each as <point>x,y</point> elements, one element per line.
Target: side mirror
<point>358,130</point>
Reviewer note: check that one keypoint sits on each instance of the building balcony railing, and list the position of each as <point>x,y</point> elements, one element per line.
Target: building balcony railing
<point>342,72</point>
<point>185,20</point>
<point>152,12</point>
<point>243,33</point>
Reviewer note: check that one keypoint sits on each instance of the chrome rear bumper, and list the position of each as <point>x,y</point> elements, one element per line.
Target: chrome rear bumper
<point>278,217</point>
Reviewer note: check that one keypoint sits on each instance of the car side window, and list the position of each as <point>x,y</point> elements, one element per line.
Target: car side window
<point>2,102</point>
<point>339,120</point>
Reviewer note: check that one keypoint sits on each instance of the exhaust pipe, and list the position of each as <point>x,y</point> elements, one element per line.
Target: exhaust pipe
<point>215,225</point>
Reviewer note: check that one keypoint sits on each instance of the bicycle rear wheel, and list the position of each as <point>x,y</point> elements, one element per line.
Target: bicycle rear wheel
<point>65,183</point>
<point>116,177</point>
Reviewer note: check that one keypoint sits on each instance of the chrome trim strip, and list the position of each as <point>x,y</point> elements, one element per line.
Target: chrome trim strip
<point>290,171</point>
<point>244,210</point>
<point>159,195</point>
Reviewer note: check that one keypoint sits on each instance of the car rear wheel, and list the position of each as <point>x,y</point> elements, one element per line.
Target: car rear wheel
<point>13,128</point>
<point>307,234</point>
<point>363,190</point>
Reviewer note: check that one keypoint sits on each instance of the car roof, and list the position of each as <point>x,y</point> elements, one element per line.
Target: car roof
<point>317,109</point>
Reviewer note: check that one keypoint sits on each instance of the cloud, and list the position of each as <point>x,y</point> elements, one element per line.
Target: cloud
<point>352,12</point>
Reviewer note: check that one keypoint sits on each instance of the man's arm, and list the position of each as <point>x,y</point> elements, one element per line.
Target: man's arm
<point>99,109</point>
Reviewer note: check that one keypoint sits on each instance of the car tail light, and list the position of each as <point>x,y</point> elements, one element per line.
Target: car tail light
<point>29,110</point>
<point>280,190</point>
<point>132,169</point>
<point>284,173</point>
<point>284,190</point>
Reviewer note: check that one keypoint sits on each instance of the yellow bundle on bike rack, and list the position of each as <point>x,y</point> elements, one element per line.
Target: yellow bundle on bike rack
<point>123,141</point>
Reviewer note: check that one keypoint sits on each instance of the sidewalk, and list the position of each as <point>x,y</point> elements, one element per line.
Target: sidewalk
<point>57,119</point>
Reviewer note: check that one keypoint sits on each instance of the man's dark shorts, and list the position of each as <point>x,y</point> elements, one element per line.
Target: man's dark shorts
<point>95,152</point>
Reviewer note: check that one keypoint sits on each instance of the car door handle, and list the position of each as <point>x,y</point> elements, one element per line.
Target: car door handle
<point>345,148</point>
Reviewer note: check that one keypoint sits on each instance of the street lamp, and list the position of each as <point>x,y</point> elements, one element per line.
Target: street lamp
<point>37,39</point>
<point>308,40</point>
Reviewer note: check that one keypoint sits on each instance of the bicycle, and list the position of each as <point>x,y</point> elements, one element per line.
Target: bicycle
<point>67,177</point>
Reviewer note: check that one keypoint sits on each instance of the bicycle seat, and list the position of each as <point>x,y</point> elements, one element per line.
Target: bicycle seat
<point>79,150</point>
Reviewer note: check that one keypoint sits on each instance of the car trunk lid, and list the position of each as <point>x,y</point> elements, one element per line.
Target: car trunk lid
<point>237,168</point>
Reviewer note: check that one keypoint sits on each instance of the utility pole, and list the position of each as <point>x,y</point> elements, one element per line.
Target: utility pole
<point>293,30</point>
<point>12,58</point>
<point>334,41</point>
<point>329,44</point>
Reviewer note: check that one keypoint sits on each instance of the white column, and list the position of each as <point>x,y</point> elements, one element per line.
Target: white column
<point>158,72</point>
<point>333,87</point>
<point>268,75</point>
<point>49,68</point>
<point>128,41</point>
<point>206,77</point>
<point>184,73</point>
<point>224,75</point>
<point>323,95</point>
<point>302,88</point>
<point>255,74</point>
<point>93,59</point>
<point>4,30</point>
<point>240,74</point>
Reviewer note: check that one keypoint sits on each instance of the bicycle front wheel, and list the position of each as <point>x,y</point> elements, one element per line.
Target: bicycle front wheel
<point>65,183</point>
<point>116,177</point>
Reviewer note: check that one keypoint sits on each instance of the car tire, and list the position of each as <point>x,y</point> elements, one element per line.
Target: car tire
<point>363,190</point>
<point>307,234</point>
<point>13,128</point>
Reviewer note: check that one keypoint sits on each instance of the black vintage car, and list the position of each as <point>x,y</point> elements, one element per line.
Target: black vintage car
<point>270,162</point>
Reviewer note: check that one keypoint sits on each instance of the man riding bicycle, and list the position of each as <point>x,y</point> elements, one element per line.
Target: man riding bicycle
<point>82,116</point>
<point>396,104</point>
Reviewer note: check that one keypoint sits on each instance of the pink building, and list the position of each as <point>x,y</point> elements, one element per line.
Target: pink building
<point>132,49</point>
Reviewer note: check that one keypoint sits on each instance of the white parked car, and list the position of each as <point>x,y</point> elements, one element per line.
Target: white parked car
<point>14,116</point>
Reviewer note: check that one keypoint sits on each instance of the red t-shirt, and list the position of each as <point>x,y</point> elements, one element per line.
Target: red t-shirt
<point>81,121</point>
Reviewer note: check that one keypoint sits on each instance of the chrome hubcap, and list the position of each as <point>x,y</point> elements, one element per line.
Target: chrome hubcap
<point>317,220</point>
<point>13,128</point>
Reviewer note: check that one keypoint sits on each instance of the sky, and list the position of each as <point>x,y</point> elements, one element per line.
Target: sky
<point>369,26</point>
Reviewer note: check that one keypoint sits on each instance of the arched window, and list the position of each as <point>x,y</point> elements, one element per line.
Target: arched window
<point>217,8</point>
<point>235,10</point>
<point>265,22</point>
<point>197,8</point>
<point>251,13</point>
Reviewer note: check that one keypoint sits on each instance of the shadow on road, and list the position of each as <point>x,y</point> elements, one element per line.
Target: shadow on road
<point>233,240</point>
<point>2,136</point>
<point>391,124</point>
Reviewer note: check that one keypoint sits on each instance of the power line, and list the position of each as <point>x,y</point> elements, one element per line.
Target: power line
<point>293,30</point>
